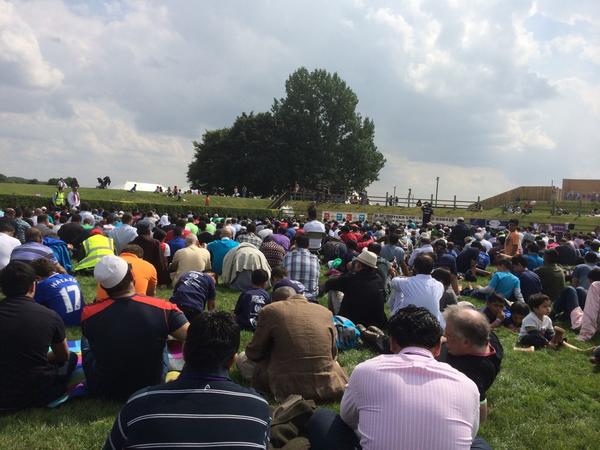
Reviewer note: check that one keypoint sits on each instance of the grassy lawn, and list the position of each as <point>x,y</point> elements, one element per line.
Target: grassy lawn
<point>541,400</point>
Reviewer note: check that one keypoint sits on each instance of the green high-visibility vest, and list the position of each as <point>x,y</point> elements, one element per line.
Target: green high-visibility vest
<point>59,198</point>
<point>95,248</point>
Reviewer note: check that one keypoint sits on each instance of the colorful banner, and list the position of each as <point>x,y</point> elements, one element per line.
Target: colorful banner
<point>344,216</point>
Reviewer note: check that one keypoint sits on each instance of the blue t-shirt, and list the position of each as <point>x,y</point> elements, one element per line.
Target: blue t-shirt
<point>534,261</point>
<point>218,250</point>
<point>504,283</point>
<point>61,293</point>
<point>176,244</point>
<point>249,305</point>
<point>193,290</point>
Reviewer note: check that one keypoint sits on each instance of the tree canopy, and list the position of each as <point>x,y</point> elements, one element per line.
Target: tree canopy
<point>312,136</point>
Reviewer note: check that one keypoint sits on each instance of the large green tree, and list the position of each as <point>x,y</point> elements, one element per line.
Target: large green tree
<point>312,136</point>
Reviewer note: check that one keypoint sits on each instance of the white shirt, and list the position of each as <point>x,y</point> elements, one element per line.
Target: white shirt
<point>419,290</point>
<point>314,226</point>
<point>418,251</point>
<point>411,401</point>
<point>7,244</point>
<point>532,320</point>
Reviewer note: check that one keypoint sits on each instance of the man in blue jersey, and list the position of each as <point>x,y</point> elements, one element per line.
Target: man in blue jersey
<point>58,291</point>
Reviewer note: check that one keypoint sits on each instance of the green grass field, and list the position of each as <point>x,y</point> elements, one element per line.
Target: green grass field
<point>542,400</point>
<point>541,213</point>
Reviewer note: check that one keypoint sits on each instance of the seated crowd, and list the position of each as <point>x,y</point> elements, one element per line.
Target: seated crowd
<point>439,356</point>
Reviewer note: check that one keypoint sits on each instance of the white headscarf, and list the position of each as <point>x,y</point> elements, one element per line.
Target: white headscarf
<point>164,221</point>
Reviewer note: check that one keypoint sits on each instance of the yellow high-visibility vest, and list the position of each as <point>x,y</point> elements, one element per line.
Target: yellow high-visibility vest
<point>59,198</point>
<point>95,248</point>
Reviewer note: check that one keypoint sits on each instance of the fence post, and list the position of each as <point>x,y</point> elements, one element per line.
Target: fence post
<point>431,201</point>
<point>386,199</point>
<point>454,201</point>
<point>408,200</point>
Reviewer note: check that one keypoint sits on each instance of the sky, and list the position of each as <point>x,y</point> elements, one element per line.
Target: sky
<point>487,95</point>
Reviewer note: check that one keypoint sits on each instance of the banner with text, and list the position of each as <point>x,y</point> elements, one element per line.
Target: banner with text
<point>344,216</point>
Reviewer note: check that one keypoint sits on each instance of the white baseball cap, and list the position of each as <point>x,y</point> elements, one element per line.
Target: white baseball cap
<point>110,271</point>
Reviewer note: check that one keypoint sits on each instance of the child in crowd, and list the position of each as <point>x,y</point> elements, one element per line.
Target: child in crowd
<point>495,310</point>
<point>518,311</point>
<point>537,329</point>
<point>444,276</point>
<point>250,302</point>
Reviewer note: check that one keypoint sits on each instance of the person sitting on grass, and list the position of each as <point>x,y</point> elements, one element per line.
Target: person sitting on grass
<point>495,310</point>
<point>209,409</point>
<point>530,282</point>
<point>279,278</point>
<point>58,291</point>
<point>472,348</point>
<point>293,351</point>
<point>124,336</point>
<point>503,282</point>
<point>518,311</point>
<point>251,301</point>
<point>404,400</point>
<point>31,376</point>
<point>537,329</point>
<point>591,312</point>
<point>195,292</point>
<point>449,297</point>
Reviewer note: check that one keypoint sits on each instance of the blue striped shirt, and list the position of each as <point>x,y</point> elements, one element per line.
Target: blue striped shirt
<point>198,410</point>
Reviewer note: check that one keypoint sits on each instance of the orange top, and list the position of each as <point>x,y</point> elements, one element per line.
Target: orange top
<point>512,245</point>
<point>144,276</point>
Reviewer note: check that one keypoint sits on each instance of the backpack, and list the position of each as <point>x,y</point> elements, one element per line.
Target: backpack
<point>347,333</point>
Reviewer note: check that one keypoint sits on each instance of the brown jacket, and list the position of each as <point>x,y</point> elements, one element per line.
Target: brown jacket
<point>294,346</point>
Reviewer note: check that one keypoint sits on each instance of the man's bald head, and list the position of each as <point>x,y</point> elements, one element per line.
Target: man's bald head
<point>191,239</point>
<point>468,324</point>
<point>227,232</point>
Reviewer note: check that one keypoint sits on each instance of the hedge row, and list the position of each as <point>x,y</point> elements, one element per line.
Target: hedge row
<point>33,201</point>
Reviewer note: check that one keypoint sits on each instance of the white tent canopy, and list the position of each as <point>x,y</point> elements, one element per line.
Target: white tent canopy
<point>142,187</point>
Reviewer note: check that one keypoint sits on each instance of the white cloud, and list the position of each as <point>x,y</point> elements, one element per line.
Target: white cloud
<point>21,61</point>
<point>486,95</point>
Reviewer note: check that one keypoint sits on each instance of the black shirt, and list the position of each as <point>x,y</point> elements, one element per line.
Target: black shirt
<point>127,338</point>
<point>198,410</point>
<point>364,297</point>
<point>481,368</point>
<point>459,233</point>
<point>27,329</point>
<point>73,233</point>
<point>463,260</point>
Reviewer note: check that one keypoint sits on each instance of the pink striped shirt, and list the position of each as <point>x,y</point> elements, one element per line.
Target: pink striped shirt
<point>411,401</point>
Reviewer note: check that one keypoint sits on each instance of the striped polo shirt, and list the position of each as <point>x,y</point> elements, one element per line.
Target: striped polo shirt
<point>30,251</point>
<point>198,410</point>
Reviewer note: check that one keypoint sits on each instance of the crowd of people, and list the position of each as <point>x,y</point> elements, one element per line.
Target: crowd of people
<point>439,356</point>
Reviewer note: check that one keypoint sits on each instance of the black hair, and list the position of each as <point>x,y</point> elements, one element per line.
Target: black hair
<point>443,275</point>
<point>259,276</point>
<point>423,264</point>
<point>6,226</point>
<point>135,249</point>
<point>33,235</point>
<point>279,272</point>
<point>213,338</point>
<point>159,234</point>
<point>375,248</point>
<point>495,298</point>
<point>551,256</point>
<point>477,244</point>
<point>43,267</point>
<point>143,229</point>
<point>312,212</point>
<point>537,300</point>
<point>122,285</point>
<point>76,218</point>
<point>415,326</point>
<point>251,227</point>
<point>590,257</point>
<point>17,278</point>
<point>506,263</point>
<point>393,239</point>
<point>594,274</point>
<point>177,231</point>
<point>521,260</point>
<point>519,308</point>
<point>42,218</point>
<point>352,244</point>
<point>302,241</point>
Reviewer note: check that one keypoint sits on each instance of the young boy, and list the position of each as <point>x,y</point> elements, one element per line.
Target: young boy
<point>495,310</point>
<point>252,301</point>
<point>537,329</point>
<point>518,311</point>
<point>444,276</point>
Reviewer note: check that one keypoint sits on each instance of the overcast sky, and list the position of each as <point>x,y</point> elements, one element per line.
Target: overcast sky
<point>487,95</point>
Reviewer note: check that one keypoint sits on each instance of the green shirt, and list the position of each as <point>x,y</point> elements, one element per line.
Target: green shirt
<point>553,280</point>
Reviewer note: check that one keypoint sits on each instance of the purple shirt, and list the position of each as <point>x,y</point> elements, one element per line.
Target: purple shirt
<point>410,400</point>
<point>282,240</point>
